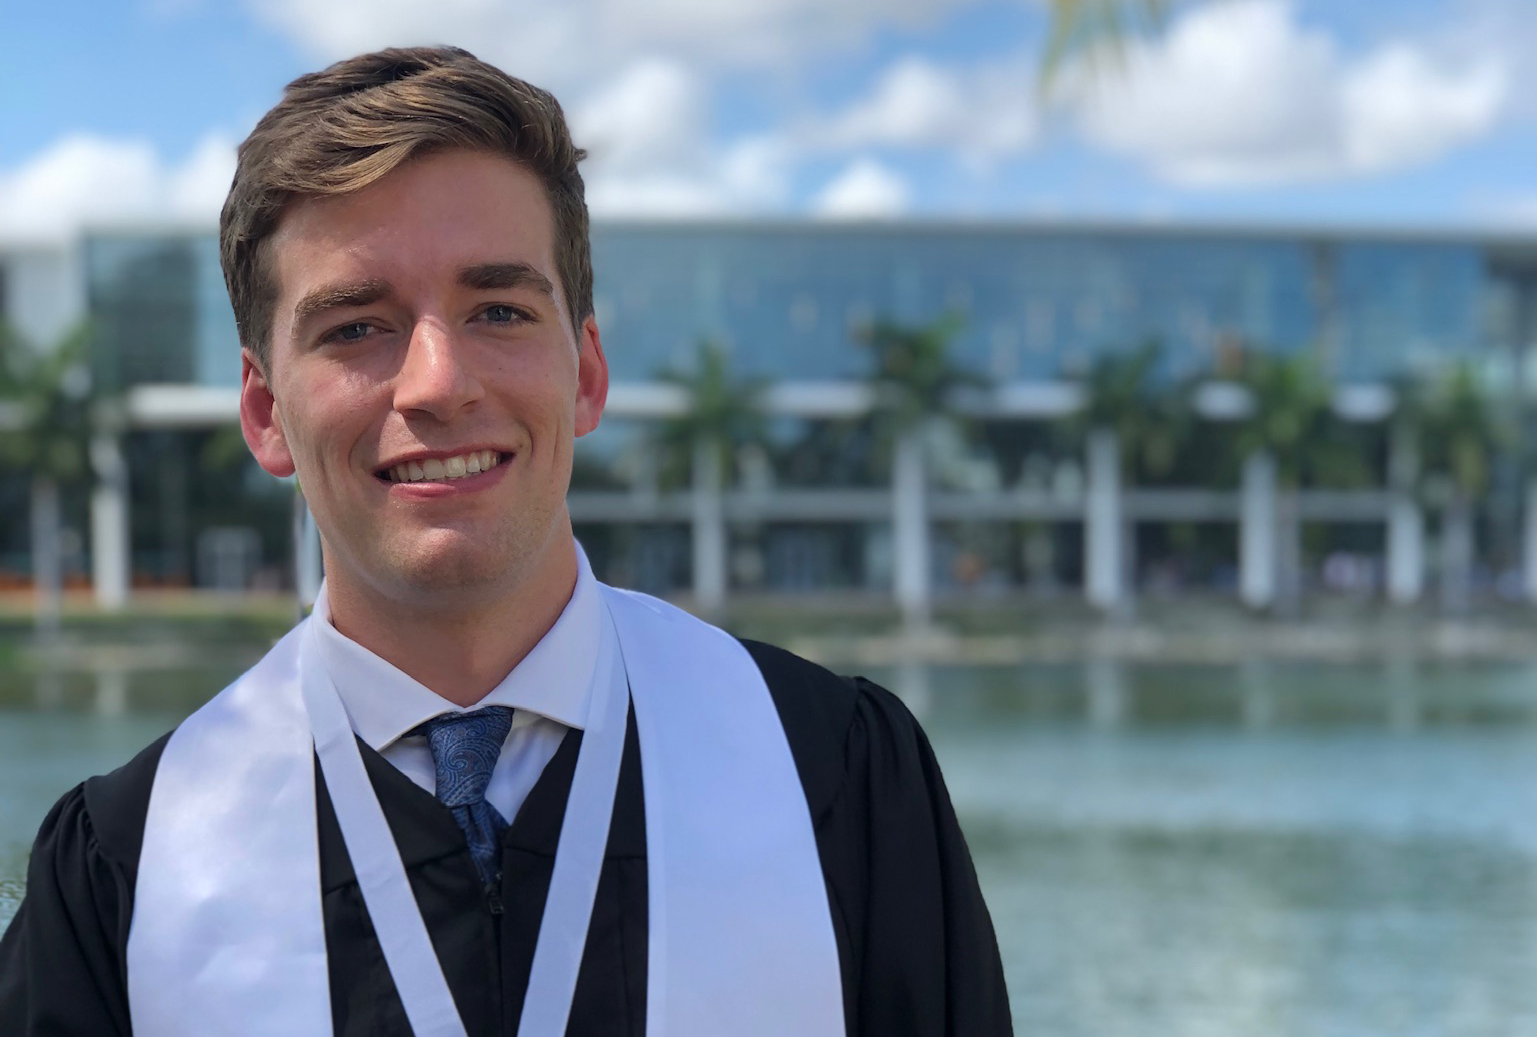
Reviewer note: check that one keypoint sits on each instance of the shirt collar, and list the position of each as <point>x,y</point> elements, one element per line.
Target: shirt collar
<point>554,679</point>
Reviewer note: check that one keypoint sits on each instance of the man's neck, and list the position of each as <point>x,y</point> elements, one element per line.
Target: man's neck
<point>459,653</point>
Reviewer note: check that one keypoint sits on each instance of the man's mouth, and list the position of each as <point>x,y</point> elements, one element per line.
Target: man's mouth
<point>440,469</point>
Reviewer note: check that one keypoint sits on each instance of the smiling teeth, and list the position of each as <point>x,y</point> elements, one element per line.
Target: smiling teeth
<point>448,468</point>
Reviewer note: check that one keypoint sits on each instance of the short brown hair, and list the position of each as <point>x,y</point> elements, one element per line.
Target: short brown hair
<point>337,131</point>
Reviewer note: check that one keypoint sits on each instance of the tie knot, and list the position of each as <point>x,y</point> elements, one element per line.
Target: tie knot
<point>465,747</point>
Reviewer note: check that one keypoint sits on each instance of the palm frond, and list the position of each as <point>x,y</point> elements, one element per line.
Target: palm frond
<point>914,370</point>
<point>1095,30</point>
<point>723,409</point>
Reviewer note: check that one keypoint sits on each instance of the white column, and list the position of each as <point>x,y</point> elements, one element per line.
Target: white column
<point>1406,550</point>
<point>1529,542</point>
<point>1102,521</point>
<point>709,529</point>
<point>910,526</point>
<point>109,522</point>
<point>1406,522</point>
<point>1257,531</point>
<point>307,563</point>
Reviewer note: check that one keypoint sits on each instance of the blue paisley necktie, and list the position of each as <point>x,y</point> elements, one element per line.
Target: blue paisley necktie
<point>464,751</point>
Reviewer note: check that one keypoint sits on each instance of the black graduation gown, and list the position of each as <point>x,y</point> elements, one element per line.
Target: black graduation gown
<point>916,947</point>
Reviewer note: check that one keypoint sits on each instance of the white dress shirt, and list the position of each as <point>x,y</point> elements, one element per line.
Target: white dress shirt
<point>549,692</point>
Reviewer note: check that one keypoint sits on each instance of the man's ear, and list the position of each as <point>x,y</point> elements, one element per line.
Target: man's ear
<point>260,422</point>
<point>591,377</point>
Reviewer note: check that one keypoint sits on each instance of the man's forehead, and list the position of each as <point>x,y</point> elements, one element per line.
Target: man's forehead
<point>435,216</point>
<point>471,194</point>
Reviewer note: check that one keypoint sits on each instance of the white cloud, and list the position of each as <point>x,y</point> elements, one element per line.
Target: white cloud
<point>196,189</point>
<point>84,180</point>
<point>1400,108</point>
<point>558,45</point>
<point>749,176</point>
<point>652,114</point>
<point>864,190</point>
<point>982,113</point>
<point>650,152</point>
<point>1240,92</point>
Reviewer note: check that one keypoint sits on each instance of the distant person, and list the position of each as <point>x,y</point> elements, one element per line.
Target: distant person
<point>707,837</point>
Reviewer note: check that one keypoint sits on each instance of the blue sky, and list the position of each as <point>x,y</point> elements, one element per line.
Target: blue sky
<point>1395,112</point>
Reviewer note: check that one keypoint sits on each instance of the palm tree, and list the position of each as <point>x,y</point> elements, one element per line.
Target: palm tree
<point>913,375</point>
<point>47,436</point>
<point>1129,422</point>
<point>1459,433</point>
<point>1290,430</point>
<point>724,413</point>
<point>1124,394</point>
<point>914,372</point>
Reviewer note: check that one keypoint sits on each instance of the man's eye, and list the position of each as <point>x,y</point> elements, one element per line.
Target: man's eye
<point>500,314</point>
<point>354,332</point>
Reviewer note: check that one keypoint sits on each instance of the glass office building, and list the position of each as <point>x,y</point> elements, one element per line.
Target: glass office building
<point>1034,303</point>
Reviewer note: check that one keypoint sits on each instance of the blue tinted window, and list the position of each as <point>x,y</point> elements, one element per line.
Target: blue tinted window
<point>787,297</point>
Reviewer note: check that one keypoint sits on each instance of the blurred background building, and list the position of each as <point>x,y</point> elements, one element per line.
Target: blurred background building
<point>1097,412</point>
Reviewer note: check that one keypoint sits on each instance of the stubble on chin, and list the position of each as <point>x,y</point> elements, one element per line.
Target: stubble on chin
<point>454,570</point>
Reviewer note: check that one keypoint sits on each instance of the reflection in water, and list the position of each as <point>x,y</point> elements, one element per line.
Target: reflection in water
<point>111,692</point>
<point>1105,681</point>
<point>11,888</point>
<point>1403,694</point>
<point>49,690</point>
<point>913,688</point>
<point>1257,693</point>
<point>1221,932</point>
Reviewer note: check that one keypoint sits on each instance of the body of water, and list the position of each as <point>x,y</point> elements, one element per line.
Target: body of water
<point>1260,849</point>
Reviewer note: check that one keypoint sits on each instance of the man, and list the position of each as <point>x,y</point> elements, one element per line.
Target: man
<point>706,836</point>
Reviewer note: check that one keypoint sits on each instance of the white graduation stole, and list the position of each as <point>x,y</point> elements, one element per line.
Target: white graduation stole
<point>228,937</point>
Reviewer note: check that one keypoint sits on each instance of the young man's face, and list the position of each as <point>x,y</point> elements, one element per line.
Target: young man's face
<point>425,379</point>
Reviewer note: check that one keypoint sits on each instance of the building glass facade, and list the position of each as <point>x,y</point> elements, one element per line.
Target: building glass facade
<point>160,311</point>
<point>1036,303</point>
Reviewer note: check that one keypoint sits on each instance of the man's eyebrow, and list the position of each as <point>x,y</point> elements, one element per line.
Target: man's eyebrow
<point>492,276</point>
<point>337,296</point>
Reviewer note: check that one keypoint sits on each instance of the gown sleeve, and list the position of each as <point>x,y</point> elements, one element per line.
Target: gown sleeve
<point>925,949</point>
<point>61,960</point>
<point>915,943</point>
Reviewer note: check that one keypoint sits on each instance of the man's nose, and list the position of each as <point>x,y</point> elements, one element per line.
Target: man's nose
<point>435,378</point>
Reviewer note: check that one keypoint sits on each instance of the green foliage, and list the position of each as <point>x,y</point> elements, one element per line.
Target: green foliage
<point>914,372</point>
<point>723,410</point>
<point>46,397</point>
<point>1459,428</point>
<point>1152,419</point>
<point>1293,420</point>
<point>914,375</point>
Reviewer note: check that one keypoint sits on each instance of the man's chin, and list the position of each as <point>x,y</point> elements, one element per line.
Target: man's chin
<point>459,575</point>
<point>453,568</point>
